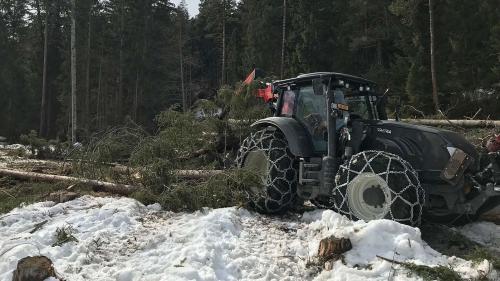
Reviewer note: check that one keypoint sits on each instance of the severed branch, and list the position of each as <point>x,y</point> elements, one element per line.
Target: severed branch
<point>475,115</point>
<point>415,109</point>
<point>449,122</point>
<point>391,260</point>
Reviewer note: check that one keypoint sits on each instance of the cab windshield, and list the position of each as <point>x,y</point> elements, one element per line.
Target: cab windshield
<point>310,110</point>
<point>302,102</point>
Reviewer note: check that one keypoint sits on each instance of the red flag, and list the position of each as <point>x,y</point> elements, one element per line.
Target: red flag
<point>250,78</point>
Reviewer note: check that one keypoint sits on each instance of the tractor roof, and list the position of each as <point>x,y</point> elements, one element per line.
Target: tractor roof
<point>337,76</point>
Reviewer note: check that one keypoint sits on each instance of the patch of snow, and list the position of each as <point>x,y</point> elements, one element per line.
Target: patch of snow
<point>121,239</point>
<point>16,146</point>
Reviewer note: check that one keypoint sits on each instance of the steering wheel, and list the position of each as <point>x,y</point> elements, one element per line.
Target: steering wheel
<point>316,124</point>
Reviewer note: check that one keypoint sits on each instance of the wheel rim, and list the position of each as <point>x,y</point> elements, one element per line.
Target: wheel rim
<point>256,161</point>
<point>369,197</point>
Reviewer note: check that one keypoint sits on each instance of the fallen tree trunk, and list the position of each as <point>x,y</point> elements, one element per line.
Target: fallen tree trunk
<point>461,123</point>
<point>66,167</point>
<point>429,122</point>
<point>197,174</point>
<point>185,174</point>
<point>122,189</point>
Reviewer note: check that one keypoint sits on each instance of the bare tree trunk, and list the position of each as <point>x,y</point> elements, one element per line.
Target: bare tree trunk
<point>139,80</point>
<point>39,18</point>
<point>73,72</point>
<point>435,97</point>
<point>136,95</point>
<point>223,78</point>
<point>181,58</point>
<point>99,92</point>
<point>43,108</point>
<point>119,96</point>
<point>283,41</point>
<point>87,74</point>
<point>379,52</point>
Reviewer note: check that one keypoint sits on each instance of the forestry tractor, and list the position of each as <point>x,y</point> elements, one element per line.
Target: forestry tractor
<point>330,142</point>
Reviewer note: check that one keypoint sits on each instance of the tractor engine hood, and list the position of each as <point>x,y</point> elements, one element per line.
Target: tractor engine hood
<point>428,149</point>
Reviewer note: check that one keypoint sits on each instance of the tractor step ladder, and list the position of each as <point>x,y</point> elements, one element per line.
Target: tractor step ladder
<point>309,172</point>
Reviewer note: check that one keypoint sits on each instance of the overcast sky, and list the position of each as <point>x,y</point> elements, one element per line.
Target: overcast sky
<point>192,6</point>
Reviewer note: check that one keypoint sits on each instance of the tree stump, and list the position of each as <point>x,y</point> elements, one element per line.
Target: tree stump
<point>36,268</point>
<point>332,247</point>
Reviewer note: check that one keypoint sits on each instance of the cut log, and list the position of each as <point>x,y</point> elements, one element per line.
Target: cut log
<point>461,123</point>
<point>429,122</point>
<point>122,189</point>
<point>36,268</point>
<point>116,188</point>
<point>332,247</point>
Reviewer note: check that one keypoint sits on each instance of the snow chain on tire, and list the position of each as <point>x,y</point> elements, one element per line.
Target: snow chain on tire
<point>402,188</point>
<point>280,178</point>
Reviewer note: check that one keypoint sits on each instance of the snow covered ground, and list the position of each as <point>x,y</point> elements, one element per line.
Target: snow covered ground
<point>121,239</point>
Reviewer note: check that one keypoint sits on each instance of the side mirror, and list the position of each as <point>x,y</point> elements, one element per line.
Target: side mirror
<point>318,86</point>
<point>273,107</point>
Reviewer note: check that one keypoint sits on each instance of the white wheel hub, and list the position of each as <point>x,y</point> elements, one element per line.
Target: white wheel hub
<point>369,196</point>
<point>256,161</point>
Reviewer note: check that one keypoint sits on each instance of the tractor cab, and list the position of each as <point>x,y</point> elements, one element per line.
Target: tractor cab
<point>304,99</point>
<point>329,142</point>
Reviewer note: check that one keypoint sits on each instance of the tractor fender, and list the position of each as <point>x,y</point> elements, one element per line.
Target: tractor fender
<point>299,142</point>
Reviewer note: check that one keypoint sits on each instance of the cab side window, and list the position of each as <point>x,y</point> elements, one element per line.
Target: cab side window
<point>288,103</point>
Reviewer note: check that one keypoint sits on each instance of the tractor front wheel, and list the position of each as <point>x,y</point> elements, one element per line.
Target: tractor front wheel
<point>378,185</point>
<point>266,153</point>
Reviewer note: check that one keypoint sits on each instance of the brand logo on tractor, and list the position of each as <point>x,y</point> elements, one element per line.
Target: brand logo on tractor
<point>385,131</point>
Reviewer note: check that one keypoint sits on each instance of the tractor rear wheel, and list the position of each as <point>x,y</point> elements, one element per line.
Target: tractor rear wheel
<point>266,153</point>
<point>379,185</point>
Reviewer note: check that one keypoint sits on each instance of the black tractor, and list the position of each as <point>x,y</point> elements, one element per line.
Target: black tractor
<point>330,142</point>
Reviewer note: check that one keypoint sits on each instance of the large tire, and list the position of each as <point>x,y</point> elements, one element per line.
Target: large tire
<point>379,185</point>
<point>266,152</point>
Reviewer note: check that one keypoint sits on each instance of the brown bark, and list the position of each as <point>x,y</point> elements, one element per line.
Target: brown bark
<point>330,247</point>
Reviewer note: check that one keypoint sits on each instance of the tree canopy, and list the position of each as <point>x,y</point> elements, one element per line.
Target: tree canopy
<point>137,58</point>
